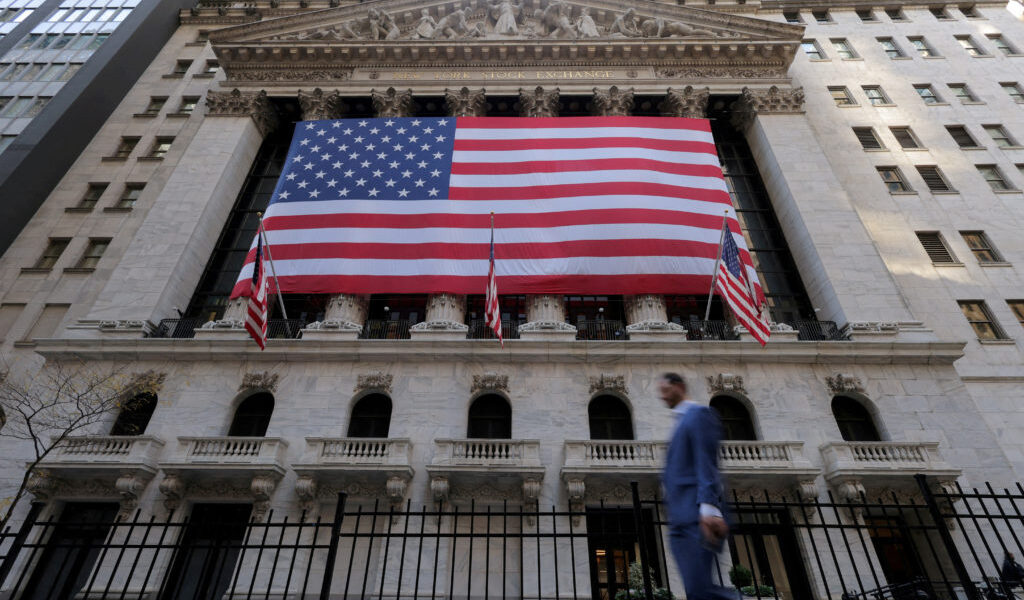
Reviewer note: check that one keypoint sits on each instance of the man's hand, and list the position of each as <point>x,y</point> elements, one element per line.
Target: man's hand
<point>713,529</point>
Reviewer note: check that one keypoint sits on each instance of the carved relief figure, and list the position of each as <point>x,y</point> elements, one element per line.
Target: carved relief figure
<point>625,25</point>
<point>452,26</point>
<point>659,28</point>
<point>425,27</point>
<point>382,25</point>
<point>585,25</point>
<point>506,14</point>
<point>555,21</point>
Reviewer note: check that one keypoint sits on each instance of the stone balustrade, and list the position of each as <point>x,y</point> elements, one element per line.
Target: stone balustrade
<point>358,451</point>
<point>761,453</point>
<point>106,449</point>
<point>618,454</point>
<point>901,457</point>
<point>524,453</point>
<point>498,463</point>
<point>236,451</point>
<point>377,464</point>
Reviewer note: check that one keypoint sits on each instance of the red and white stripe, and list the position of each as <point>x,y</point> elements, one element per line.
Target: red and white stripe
<point>611,205</point>
<point>256,304</point>
<point>736,294</point>
<point>492,312</point>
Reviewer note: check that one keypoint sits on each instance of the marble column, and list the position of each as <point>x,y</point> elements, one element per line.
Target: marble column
<point>545,314</point>
<point>820,223</point>
<point>612,102</point>
<point>164,261</point>
<point>346,313</point>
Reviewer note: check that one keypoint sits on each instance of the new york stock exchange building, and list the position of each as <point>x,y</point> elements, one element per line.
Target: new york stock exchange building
<point>386,445</point>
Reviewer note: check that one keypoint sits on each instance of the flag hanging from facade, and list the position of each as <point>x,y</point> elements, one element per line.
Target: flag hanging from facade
<point>591,205</point>
<point>492,311</point>
<point>256,307</point>
<point>733,284</point>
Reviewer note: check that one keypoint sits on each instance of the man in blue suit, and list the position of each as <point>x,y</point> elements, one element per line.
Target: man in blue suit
<point>693,491</point>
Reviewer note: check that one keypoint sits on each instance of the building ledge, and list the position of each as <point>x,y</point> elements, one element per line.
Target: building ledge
<point>846,460</point>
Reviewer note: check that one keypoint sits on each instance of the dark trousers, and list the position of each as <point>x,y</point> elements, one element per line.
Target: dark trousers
<point>695,560</point>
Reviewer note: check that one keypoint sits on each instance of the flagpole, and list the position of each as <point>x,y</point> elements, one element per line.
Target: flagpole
<point>718,261</point>
<point>270,258</point>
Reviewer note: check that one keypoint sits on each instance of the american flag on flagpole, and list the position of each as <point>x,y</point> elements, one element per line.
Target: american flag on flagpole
<point>589,205</point>
<point>256,307</point>
<point>492,312</point>
<point>734,287</point>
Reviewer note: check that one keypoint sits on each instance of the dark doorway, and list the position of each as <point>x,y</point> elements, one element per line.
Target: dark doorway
<point>854,420</point>
<point>764,541</point>
<point>371,417</point>
<point>613,545</point>
<point>205,560</point>
<point>71,552</point>
<point>609,419</point>
<point>735,418</point>
<point>252,417</point>
<point>135,415</point>
<point>896,552</point>
<point>490,418</point>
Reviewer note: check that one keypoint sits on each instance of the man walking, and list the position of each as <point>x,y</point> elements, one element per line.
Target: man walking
<point>693,491</point>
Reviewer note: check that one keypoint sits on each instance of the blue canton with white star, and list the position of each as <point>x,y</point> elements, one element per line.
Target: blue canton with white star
<point>731,255</point>
<point>400,158</point>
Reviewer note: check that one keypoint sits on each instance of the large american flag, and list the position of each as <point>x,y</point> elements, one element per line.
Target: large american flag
<point>492,310</point>
<point>734,287</point>
<point>591,205</point>
<point>256,305</point>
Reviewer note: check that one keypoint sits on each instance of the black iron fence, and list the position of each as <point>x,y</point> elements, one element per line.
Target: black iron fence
<point>917,543</point>
<point>817,331</point>
<point>381,329</point>
<point>479,330</point>
<point>600,329</point>
<point>186,328</point>
<point>709,330</point>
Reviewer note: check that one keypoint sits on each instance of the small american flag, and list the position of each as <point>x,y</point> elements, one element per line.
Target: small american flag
<point>732,284</point>
<point>256,307</point>
<point>492,312</point>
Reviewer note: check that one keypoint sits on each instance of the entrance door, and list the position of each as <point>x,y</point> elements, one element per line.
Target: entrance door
<point>764,542</point>
<point>896,552</point>
<point>205,561</point>
<point>613,545</point>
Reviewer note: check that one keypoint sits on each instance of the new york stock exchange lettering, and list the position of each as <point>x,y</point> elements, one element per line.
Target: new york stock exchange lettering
<point>503,75</point>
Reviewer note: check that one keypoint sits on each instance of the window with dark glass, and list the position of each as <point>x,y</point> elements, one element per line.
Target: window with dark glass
<point>981,320</point>
<point>130,195</point>
<point>93,253</point>
<point>735,418</point>
<point>125,147</point>
<point>609,419</point>
<point>371,417</point>
<point>54,249</point>
<point>92,195</point>
<point>854,420</point>
<point>982,248</point>
<point>252,417</point>
<point>905,136</point>
<point>490,417</point>
<point>208,552</point>
<point>135,415</point>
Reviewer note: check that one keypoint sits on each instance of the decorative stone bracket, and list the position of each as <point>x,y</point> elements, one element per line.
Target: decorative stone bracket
<point>490,382</point>
<point>576,489</point>
<point>243,104</point>
<point>725,382</point>
<point>538,102</point>
<point>264,380</point>
<point>688,102</point>
<point>466,102</point>
<point>374,381</point>
<point>392,102</point>
<point>261,489</point>
<point>842,383</point>
<point>608,383</point>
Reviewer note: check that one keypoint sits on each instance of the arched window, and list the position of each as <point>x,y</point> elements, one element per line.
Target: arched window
<point>490,417</point>
<point>371,417</point>
<point>854,420</point>
<point>609,419</point>
<point>135,415</point>
<point>736,421</point>
<point>253,416</point>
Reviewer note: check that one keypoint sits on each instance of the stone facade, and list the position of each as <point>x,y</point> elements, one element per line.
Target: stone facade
<point>911,358</point>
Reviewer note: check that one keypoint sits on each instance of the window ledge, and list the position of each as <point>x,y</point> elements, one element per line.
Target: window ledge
<point>847,105</point>
<point>117,209</point>
<point>24,344</point>
<point>178,115</point>
<point>1007,191</point>
<point>1014,55</point>
<point>996,342</point>
<point>203,75</point>
<point>1010,147</point>
<point>885,105</point>
<point>907,193</point>
<point>195,44</point>
<point>945,193</point>
<point>150,158</point>
<point>854,59</point>
<point>932,57</point>
<point>915,149</point>
<point>820,60</point>
<point>79,270</point>
<point>983,56</point>
<point>936,103</point>
<point>34,270</point>
<point>77,209</point>
<point>876,149</point>
<point>114,158</point>
<point>901,58</point>
<point>173,76</point>
<point>948,264</point>
<point>145,115</point>
<point>972,147</point>
<point>1001,263</point>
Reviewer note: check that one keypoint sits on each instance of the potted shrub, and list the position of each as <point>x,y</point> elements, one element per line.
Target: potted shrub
<point>636,585</point>
<point>740,577</point>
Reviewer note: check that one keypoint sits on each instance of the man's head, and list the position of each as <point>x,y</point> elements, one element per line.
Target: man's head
<point>672,389</point>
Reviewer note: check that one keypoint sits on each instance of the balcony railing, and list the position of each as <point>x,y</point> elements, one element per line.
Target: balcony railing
<point>487,452</point>
<point>359,451</point>
<point>601,330</point>
<point>177,328</point>
<point>881,457</point>
<point>709,330</point>
<point>284,328</point>
<point>385,330</point>
<point>238,451</point>
<point>478,330</point>
<point>817,331</point>
<point>762,455</point>
<point>614,454</point>
<point>106,449</point>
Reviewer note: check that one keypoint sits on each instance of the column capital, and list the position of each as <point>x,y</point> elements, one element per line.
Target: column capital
<point>466,102</point>
<point>392,102</point>
<point>687,102</point>
<point>613,102</point>
<point>318,105</point>
<point>772,101</point>
<point>538,102</point>
<point>243,104</point>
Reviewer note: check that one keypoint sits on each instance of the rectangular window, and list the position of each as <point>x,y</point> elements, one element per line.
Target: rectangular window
<point>130,195</point>
<point>156,104</point>
<point>29,41</point>
<point>37,106</point>
<point>1000,136</point>
<point>890,48</point>
<point>939,12</point>
<point>1001,44</point>
<point>866,15</point>
<point>970,45</point>
<point>875,95</point>
<point>792,16</point>
<point>893,179</point>
<point>926,93</point>
<point>961,136</point>
<point>93,252</point>
<point>1017,306</point>
<point>17,107</point>
<point>922,47</point>
<point>812,50</point>
<point>72,69</point>
<point>124,149</point>
<point>936,247</point>
<point>33,72</point>
<point>54,248</point>
<point>188,104</point>
<point>822,16</point>
<point>1014,91</point>
<point>211,67</point>
<point>981,320</point>
<point>80,42</point>
<point>9,314</point>
<point>4,101</point>
<point>97,41</point>
<point>994,177</point>
<point>867,138</point>
<point>53,72</point>
<point>841,95</point>
<point>970,12</point>
<point>933,178</point>
<point>181,67</point>
<point>981,247</point>
<point>92,195</point>
<point>962,92</point>
<point>61,42</point>
<point>74,15</point>
<point>48,40</point>
<point>895,14</point>
<point>14,73</point>
<point>160,147</point>
<point>843,49</point>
